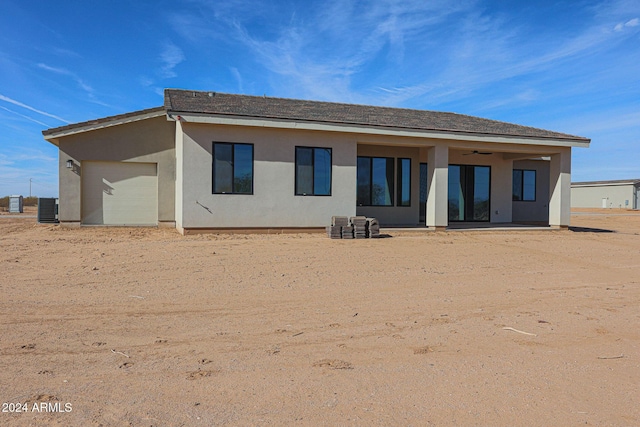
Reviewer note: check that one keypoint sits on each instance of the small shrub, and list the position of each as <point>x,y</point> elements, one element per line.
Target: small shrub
<point>26,201</point>
<point>30,201</point>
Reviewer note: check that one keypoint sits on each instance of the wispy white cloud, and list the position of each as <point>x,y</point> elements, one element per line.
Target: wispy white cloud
<point>4,160</point>
<point>524,97</point>
<point>192,27</point>
<point>238,77</point>
<point>31,154</point>
<point>318,54</point>
<point>412,52</point>
<point>66,52</point>
<point>28,107</point>
<point>84,86</point>
<point>24,116</point>
<point>605,123</point>
<point>630,23</point>
<point>88,89</point>
<point>486,50</point>
<point>19,166</point>
<point>145,81</point>
<point>398,95</point>
<point>25,154</point>
<point>170,56</point>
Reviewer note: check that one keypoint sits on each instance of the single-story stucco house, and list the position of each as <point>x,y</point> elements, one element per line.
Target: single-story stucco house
<point>622,194</point>
<point>211,161</point>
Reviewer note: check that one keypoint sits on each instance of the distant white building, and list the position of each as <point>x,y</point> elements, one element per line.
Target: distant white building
<point>621,194</point>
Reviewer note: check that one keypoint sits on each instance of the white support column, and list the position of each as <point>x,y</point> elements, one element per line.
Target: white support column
<point>179,176</point>
<point>438,185</point>
<point>560,189</point>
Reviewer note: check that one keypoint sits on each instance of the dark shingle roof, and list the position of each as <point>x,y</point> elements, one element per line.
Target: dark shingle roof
<point>102,120</point>
<point>188,101</point>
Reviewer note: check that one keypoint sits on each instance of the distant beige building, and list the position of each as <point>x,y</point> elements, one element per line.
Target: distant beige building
<point>207,161</point>
<point>621,194</point>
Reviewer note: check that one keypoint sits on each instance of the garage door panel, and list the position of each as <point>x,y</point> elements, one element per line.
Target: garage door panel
<point>119,193</point>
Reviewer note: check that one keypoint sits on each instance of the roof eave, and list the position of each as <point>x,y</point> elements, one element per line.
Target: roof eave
<point>238,120</point>
<point>54,134</point>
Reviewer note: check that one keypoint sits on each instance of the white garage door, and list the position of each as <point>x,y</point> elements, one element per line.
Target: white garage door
<point>119,193</point>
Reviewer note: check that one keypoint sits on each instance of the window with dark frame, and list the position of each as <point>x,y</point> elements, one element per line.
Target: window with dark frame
<point>313,171</point>
<point>404,182</point>
<point>374,181</point>
<point>232,169</point>
<point>524,185</point>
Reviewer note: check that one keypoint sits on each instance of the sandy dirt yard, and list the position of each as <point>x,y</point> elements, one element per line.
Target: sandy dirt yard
<point>145,327</point>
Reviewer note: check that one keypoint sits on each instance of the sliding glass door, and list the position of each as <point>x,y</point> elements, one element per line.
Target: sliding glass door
<point>469,192</point>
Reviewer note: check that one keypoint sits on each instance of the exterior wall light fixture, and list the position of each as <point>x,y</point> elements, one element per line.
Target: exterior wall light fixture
<point>69,164</point>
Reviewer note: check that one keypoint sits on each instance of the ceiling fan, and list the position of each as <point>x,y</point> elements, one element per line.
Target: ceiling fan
<point>483,153</point>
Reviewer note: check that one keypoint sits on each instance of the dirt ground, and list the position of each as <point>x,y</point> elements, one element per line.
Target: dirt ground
<point>145,327</point>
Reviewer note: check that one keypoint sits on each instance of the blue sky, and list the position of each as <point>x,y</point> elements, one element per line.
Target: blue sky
<point>568,66</point>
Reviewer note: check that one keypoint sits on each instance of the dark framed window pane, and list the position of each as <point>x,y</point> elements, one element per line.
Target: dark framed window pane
<point>524,185</point>
<point>481,188</point>
<point>529,185</point>
<point>304,171</point>
<point>223,168</point>
<point>423,191</point>
<point>243,169</point>
<point>364,181</point>
<point>382,181</point>
<point>404,182</point>
<point>456,193</point>
<point>322,171</point>
<point>517,184</point>
<point>232,168</point>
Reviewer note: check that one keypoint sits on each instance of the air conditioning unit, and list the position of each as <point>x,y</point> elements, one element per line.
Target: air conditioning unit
<point>15,204</point>
<point>48,210</point>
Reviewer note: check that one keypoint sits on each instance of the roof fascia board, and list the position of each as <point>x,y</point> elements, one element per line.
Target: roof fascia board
<point>352,128</point>
<point>95,126</point>
<point>605,184</point>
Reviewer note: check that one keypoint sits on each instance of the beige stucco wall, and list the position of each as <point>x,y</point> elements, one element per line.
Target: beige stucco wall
<point>537,211</point>
<point>183,153</point>
<point>560,188</point>
<point>273,203</point>
<point>616,195</point>
<point>149,141</point>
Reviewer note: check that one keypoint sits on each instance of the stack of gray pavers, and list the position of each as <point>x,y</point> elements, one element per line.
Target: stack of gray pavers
<point>347,232</point>
<point>359,226</point>
<point>335,229</point>
<point>372,228</point>
<point>355,227</point>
